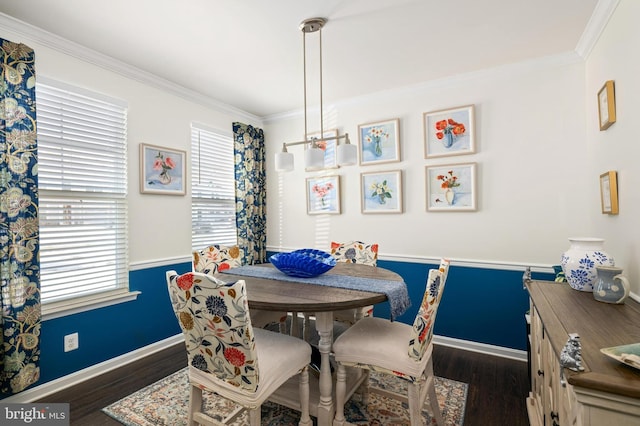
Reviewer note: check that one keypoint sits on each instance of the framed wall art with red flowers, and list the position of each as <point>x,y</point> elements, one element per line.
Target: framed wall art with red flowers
<point>162,170</point>
<point>451,187</point>
<point>323,195</point>
<point>449,132</point>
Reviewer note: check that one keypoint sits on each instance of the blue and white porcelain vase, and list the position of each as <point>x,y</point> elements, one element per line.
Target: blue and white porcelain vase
<point>580,260</point>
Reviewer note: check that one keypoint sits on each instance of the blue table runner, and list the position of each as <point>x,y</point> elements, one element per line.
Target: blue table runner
<point>396,291</point>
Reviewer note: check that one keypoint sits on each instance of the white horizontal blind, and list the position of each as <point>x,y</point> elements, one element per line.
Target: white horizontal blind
<point>213,210</point>
<point>82,179</point>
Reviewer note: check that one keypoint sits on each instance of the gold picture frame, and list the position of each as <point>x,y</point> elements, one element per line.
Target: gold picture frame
<point>609,192</point>
<point>607,105</point>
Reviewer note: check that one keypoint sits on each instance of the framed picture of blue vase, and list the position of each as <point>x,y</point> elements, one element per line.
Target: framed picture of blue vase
<point>381,192</point>
<point>449,132</point>
<point>379,142</point>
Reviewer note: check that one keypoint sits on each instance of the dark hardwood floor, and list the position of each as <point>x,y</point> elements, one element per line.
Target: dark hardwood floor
<point>497,386</point>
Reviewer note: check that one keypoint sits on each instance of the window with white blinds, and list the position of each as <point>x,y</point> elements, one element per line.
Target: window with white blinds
<point>82,180</point>
<point>213,205</point>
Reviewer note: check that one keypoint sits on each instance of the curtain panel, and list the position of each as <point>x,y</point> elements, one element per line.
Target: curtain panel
<point>19,234</point>
<point>251,195</point>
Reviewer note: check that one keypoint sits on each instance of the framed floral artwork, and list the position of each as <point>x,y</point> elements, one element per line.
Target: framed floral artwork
<point>379,142</point>
<point>323,195</point>
<point>451,187</point>
<point>449,132</point>
<point>329,147</point>
<point>381,192</point>
<point>607,105</point>
<point>609,192</point>
<point>162,170</point>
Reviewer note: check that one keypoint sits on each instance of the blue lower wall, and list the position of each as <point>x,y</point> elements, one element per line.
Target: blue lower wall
<point>111,331</point>
<point>478,304</point>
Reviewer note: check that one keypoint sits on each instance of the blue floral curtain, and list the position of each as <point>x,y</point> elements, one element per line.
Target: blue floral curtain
<point>19,234</point>
<point>251,193</point>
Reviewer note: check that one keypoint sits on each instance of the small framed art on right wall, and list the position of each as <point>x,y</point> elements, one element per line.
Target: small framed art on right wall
<point>607,105</point>
<point>609,192</point>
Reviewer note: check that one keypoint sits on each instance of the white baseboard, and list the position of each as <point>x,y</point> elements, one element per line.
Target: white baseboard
<point>483,348</point>
<point>42,391</point>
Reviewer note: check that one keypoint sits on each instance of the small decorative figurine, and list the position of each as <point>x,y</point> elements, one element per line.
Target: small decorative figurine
<point>571,355</point>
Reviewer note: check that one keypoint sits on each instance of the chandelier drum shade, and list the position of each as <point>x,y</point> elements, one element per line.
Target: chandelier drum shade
<point>346,153</point>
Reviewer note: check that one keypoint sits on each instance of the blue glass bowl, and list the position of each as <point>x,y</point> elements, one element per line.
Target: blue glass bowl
<point>303,263</point>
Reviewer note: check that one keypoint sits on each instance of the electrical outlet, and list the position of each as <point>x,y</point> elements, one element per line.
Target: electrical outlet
<point>71,342</point>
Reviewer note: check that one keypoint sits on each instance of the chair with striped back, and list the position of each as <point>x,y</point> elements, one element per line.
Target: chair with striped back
<point>396,349</point>
<point>227,356</point>
<point>219,258</point>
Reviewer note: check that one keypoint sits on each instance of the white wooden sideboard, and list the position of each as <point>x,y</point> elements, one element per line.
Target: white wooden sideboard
<point>607,392</point>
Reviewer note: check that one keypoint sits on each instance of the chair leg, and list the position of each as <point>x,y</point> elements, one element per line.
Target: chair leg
<point>306,328</point>
<point>293,330</point>
<point>195,403</point>
<point>415,405</point>
<point>305,420</point>
<point>433,401</point>
<point>341,391</point>
<point>282,326</point>
<point>363,389</point>
<point>254,416</point>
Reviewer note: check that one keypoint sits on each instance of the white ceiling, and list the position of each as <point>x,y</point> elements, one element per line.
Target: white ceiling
<point>248,53</point>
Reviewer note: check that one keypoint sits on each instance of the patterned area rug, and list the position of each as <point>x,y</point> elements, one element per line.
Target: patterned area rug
<point>165,403</point>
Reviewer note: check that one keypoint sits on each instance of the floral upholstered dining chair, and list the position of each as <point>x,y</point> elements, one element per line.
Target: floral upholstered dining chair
<point>219,258</point>
<point>395,349</point>
<point>355,252</point>
<point>363,254</point>
<point>226,355</point>
<point>216,258</point>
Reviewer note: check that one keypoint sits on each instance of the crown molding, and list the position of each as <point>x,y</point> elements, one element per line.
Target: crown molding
<point>596,25</point>
<point>78,51</point>
<point>527,66</point>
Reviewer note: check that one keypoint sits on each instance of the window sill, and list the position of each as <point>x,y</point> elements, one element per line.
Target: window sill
<point>82,304</point>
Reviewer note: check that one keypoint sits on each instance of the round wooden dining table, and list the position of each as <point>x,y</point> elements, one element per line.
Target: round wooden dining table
<point>299,296</point>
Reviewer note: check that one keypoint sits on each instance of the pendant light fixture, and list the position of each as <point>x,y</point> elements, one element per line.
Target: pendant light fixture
<point>346,154</point>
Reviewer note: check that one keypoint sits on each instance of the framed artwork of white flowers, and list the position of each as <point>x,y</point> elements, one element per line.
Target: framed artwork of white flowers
<point>162,170</point>
<point>379,142</point>
<point>323,195</point>
<point>449,132</point>
<point>451,187</point>
<point>381,192</point>
<point>329,147</point>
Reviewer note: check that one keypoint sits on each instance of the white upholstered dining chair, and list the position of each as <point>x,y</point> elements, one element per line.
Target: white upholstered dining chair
<point>396,349</point>
<point>226,355</point>
<point>219,258</point>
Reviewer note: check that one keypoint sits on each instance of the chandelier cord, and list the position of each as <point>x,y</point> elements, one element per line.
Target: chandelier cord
<point>321,108</point>
<point>304,73</point>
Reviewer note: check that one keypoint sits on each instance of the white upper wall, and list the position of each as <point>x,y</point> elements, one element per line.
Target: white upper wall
<point>615,57</point>
<point>531,162</point>
<point>159,225</point>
